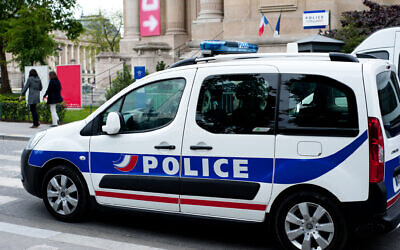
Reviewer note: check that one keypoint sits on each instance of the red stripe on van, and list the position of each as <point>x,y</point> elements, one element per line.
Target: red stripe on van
<point>224,204</point>
<point>393,200</point>
<point>259,207</point>
<point>138,197</point>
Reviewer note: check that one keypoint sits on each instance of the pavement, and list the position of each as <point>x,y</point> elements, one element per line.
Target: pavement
<point>19,131</point>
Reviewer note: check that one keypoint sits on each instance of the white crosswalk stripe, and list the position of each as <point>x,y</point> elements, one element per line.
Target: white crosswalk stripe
<point>10,182</point>
<point>16,158</point>
<point>6,199</point>
<point>11,168</point>
<point>68,238</point>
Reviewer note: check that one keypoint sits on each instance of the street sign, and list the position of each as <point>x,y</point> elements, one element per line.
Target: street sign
<point>150,20</point>
<point>315,19</point>
<point>139,72</point>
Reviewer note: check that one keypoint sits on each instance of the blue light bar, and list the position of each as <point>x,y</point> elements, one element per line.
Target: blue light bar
<point>215,47</point>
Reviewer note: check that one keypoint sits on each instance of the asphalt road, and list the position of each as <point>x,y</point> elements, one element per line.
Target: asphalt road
<point>26,224</point>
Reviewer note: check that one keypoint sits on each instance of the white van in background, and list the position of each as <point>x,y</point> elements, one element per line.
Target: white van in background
<point>383,44</point>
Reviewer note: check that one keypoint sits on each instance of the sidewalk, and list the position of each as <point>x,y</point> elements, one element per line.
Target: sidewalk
<point>19,131</point>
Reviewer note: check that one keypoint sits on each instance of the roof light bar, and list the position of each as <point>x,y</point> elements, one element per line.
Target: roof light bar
<point>216,47</point>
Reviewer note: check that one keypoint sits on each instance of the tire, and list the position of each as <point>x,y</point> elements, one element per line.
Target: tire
<point>324,228</point>
<point>65,194</point>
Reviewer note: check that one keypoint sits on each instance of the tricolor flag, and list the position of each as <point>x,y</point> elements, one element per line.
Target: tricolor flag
<point>277,32</point>
<point>263,22</point>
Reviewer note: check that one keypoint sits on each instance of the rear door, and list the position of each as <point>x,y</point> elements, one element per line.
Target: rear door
<point>228,144</point>
<point>322,132</point>
<point>389,102</point>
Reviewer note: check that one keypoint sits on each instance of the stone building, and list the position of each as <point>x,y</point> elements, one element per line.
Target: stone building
<point>185,23</point>
<point>68,52</point>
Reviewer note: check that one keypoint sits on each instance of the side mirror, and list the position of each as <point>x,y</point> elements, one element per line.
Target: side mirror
<point>113,123</point>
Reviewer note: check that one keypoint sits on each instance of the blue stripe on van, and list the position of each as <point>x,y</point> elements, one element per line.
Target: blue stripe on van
<point>39,157</point>
<point>390,166</point>
<point>287,171</point>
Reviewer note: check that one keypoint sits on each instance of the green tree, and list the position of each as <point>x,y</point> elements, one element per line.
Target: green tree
<point>32,27</point>
<point>124,79</point>
<point>357,25</point>
<point>59,17</point>
<point>105,31</point>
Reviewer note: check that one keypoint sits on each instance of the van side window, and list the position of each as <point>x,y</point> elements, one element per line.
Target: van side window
<point>237,104</point>
<point>317,105</point>
<point>389,102</point>
<point>150,107</point>
<point>382,54</point>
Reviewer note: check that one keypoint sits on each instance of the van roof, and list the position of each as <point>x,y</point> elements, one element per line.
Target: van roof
<point>379,39</point>
<point>333,56</point>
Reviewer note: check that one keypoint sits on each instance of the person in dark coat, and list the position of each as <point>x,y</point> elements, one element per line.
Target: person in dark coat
<point>54,96</point>
<point>34,84</point>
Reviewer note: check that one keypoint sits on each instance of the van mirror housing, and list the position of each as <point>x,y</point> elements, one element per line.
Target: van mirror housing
<point>113,123</point>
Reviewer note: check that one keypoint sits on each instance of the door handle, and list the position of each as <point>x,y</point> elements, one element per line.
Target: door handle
<point>200,147</point>
<point>170,147</point>
<point>395,151</point>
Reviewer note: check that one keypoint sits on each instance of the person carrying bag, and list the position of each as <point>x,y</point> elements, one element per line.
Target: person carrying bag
<point>54,96</point>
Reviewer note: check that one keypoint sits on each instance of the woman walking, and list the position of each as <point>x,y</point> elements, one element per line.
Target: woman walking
<point>34,84</point>
<point>54,96</point>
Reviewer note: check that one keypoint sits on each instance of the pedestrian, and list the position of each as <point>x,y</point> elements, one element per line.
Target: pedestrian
<point>34,84</point>
<point>54,96</point>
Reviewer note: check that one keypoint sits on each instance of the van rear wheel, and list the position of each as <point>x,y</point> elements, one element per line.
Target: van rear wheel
<point>309,220</point>
<point>64,194</point>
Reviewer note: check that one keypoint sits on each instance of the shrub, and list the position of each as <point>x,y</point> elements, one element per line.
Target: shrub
<point>160,66</point>
<point>123,80</point>
<point>13,110</point>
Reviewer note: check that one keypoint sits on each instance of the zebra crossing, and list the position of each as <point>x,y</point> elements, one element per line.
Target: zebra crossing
<point>10,175</point>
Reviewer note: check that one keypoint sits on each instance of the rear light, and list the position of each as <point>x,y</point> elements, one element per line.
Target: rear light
<point>376,151</point>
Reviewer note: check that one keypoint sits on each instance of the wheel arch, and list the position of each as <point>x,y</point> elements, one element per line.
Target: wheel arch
<point>300,188</point>
<point>57,162</point>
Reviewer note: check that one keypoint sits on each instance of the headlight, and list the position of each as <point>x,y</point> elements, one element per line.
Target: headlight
<point>35,139</point>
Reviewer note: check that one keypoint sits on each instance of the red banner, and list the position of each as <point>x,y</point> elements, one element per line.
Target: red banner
<point>70,78</point>
<point>150,20</point>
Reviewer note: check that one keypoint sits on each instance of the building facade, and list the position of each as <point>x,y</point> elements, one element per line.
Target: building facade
<point>185,23</point>
<point>80,52</point>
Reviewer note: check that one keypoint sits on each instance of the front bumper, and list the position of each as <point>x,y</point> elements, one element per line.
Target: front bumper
<point>30,175</point>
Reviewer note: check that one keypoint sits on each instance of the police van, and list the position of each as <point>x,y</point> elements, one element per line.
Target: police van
<point>308,142</point>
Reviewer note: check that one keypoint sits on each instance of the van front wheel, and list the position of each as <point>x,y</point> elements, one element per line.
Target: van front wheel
<point>64,194</point>
<point>308,220</point>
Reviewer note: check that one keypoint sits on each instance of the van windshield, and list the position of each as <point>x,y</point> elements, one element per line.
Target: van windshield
<point>389,102</point>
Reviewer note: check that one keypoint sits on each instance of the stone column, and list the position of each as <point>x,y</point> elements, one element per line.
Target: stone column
<point>72,60</point>
<point>131,16</point>
<point>211,11</point>
<point>175,17</point>
<point>78,55</point>
<point>66,54</point>
<point>93,60</point>
<point>90,60</point>
<point>84,60</point>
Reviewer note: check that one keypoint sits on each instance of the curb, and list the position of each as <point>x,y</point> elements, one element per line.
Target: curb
<point>15,137</point>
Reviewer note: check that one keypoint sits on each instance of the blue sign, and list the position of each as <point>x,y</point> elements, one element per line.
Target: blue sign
<point>140,72</point>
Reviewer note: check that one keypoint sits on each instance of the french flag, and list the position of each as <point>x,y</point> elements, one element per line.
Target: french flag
<point>263,22</point>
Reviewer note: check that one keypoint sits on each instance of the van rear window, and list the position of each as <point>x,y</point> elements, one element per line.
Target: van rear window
<point>389,102</point>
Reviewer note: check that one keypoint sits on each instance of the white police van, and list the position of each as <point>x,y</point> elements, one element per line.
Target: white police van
<point>308,142</point>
